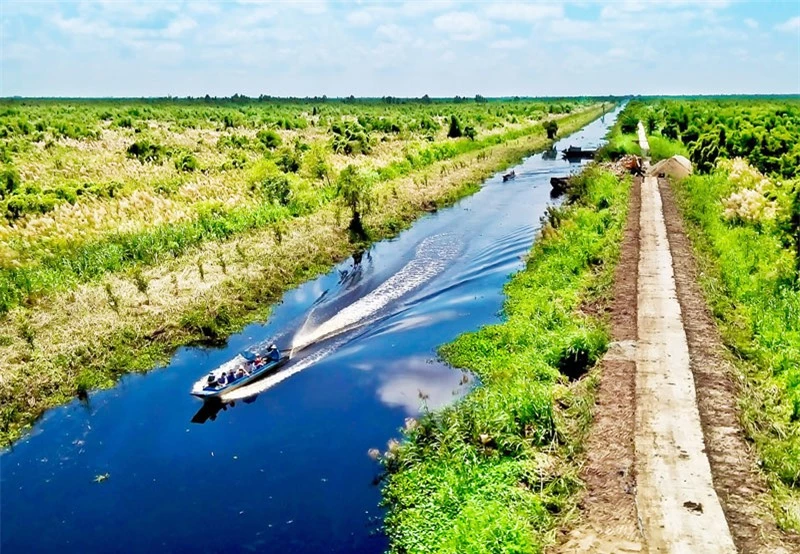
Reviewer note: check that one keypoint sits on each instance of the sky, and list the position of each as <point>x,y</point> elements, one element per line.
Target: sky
<point>407,49</point>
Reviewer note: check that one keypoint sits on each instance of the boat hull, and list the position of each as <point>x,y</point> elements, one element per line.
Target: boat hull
<point>209,393</point>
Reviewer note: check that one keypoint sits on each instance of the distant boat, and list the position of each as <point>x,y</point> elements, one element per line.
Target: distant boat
<point>508,176</point>
<point>577,153</point>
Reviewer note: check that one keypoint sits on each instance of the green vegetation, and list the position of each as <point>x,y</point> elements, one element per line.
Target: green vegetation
<point>497,471</point>
<point>766,132</point>
<point>750,278</point>
<point>198,229</point>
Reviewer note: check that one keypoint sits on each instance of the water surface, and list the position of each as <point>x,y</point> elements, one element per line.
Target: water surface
<point>285,470</point>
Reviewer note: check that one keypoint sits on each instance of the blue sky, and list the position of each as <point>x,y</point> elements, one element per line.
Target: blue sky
<point>158,48</point>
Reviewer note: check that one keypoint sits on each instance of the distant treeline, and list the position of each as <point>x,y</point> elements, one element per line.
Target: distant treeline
<point>243,99</point>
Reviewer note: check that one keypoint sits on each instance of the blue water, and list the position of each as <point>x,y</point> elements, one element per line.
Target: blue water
<point>285,470</point>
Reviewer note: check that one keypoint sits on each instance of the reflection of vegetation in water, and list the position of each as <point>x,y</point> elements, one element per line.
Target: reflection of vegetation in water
<point>498,468</point>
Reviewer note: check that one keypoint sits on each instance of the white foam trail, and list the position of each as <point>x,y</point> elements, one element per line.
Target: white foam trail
<point>432,256</point>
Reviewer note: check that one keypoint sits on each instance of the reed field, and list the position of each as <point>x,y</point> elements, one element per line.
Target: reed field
<point>128,228</point>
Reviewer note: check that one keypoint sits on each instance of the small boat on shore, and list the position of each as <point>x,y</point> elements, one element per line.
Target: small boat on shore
<point>508,176</point>
<point>245,368</point>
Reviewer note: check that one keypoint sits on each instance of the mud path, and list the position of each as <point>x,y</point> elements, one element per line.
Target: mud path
<point>608,506</point>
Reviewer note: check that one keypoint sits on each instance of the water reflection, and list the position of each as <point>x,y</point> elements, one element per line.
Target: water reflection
<point>415,383</point>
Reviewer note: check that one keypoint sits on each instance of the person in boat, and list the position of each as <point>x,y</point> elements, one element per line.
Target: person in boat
<point>211,381</point>
<point>273,353</point>
<point>231,376</point>
<point>222,380</point>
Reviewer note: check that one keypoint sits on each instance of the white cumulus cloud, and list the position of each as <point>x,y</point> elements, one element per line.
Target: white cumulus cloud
<point>790,25</point>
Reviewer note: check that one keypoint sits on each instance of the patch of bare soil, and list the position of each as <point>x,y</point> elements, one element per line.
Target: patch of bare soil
<point>609,521</point>
<point>739,486</point>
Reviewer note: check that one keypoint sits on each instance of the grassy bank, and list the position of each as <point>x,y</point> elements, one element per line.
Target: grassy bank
<point>132,316</point>
<point>497,471</point>
<point>738,223</point>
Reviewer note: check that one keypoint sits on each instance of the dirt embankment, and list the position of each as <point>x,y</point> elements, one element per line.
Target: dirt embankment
<point>609,512</point>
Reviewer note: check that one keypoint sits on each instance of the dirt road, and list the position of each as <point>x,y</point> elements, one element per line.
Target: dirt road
<point>676,500</point>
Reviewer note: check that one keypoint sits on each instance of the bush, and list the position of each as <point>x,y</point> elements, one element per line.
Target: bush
<point>269,138</point>
<point>628,123</point>
<point>552,129</point>
<point>9,181</point>
<point>289,159</point>
<point>145,151</point>
<point>455,128</point>
<point>186,163</point>
<point>275,188</point>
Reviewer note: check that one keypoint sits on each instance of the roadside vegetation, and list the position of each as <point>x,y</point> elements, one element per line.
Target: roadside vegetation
<point>497,471</point>
<point>129,228</point>
<point>742,208</point>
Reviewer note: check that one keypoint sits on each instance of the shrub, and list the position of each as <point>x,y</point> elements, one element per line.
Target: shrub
<point>269,138</point>
<point>186,163</point>
<point>355,191</point>
<point>455,128</point>
<point>552,129</point>
<point>146,151</point>
<point>628,123</point>
<point>275,188</point>
<point>9,181</point>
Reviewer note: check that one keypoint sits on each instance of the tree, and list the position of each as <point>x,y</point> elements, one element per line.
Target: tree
<point>552,129</point>
<point>455,128</point>
<point>355,191</point>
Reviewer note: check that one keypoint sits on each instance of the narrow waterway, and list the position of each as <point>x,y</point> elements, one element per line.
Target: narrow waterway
<point>283,466</point>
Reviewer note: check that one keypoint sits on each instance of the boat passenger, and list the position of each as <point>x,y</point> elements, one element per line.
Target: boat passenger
<point>231,376</point>
<point>240,372</point>
<point>212,380</point>
<point>222,380</point>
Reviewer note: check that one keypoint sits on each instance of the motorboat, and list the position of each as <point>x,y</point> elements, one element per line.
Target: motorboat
<point>245,368</point>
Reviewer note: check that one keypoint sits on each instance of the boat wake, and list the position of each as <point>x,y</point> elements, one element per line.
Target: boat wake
<point>432,256</point>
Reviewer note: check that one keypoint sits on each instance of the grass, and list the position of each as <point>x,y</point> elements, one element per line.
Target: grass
<point>498,471</point>
<point>85,336</point>
<point>70,262</point>
<point>662,148</point>
<point>748,275</point>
